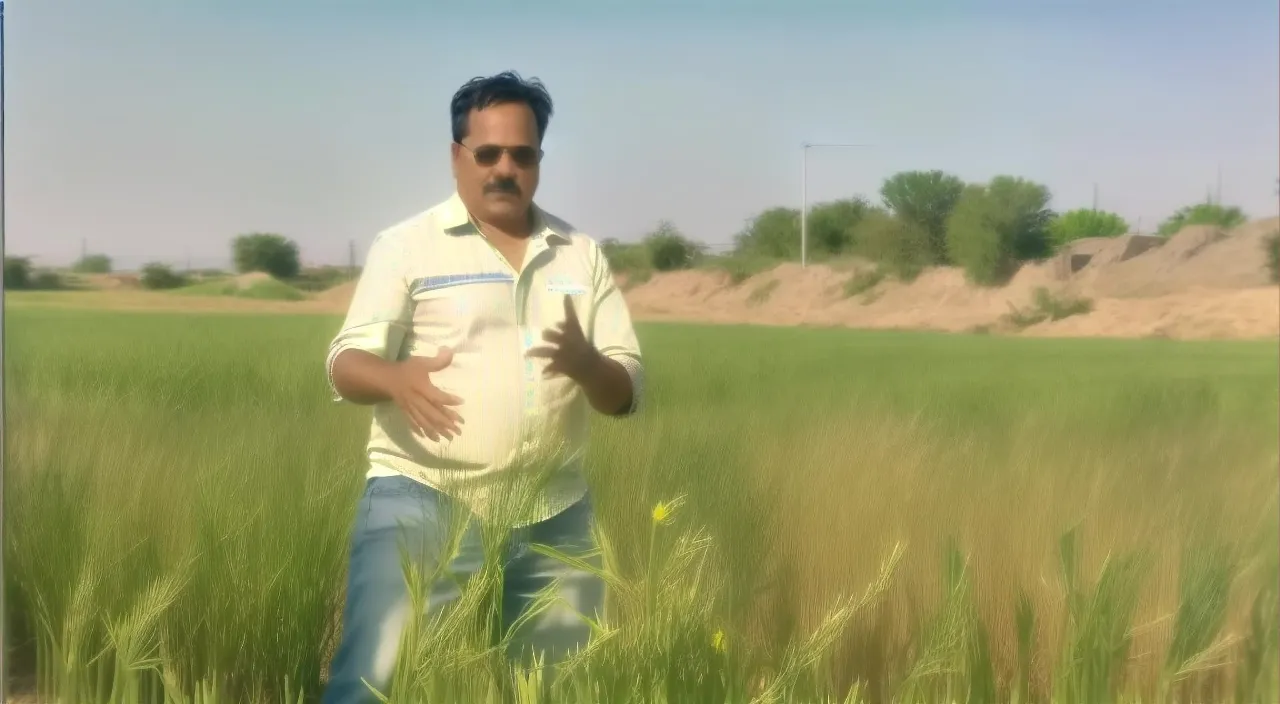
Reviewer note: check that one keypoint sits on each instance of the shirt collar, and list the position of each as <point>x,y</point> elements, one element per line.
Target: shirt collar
<point>457,221</point>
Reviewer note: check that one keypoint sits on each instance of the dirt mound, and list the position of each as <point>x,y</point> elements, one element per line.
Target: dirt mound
<point>1196,314</point>
<point>1199,256</point>
<point>1202,282</point>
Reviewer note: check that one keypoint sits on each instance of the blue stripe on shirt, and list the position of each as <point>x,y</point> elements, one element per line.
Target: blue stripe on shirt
<point>433,283</point>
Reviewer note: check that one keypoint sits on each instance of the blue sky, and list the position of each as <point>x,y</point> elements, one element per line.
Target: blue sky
<point>159,129</point>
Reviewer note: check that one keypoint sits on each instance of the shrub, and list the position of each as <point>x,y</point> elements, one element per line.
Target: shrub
<point>901,247</point>
<point>626,258</point>
<point>670,250</point>
<point>977,240</point>
<point>862,282</point>
<point>156,276</point>
<point>17,273</point>
<point>994,227</point>
<point>741,267</point>
<point>1271,244</point>
<point>1207,213</point>
<point>763,292</point>
<point>833,227</point>
<point>93,264</point>
<point>1045,305</point>
<point>926,199</point>
<point>269,253</point>
<point>45,280</point>
<point>1082,223</point>
<point>774,233</point>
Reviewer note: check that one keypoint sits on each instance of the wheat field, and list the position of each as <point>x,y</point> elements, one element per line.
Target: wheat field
<point>798,515</point>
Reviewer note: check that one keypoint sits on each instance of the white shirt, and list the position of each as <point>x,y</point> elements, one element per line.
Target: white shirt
<point>435,281</point>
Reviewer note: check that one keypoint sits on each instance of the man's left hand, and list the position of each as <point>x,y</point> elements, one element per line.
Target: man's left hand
<point>570,352</point>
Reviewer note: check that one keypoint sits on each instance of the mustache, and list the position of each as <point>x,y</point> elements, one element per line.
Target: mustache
<point>503,185</point>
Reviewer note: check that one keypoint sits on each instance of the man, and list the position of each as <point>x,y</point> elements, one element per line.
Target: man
<point>481,331</point>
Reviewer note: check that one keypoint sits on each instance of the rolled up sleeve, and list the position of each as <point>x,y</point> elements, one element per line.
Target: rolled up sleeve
<point>611,328</point>
<point>381,310</point>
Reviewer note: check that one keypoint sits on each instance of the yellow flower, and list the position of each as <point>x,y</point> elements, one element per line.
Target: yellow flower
<point>661,512</point>
<point>717,641</point>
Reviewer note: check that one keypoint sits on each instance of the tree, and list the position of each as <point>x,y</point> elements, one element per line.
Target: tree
<point>994,227</point>
<point>669,249</point>
<point>773,233</point>
<point>925,198</point>
<point>1207,213</point>
<point>93,264</point>
<point>270,253</point>
<point>1023,207</point>
<point>17,273</point>
<point>1085,222</point>
<point>833,226</point>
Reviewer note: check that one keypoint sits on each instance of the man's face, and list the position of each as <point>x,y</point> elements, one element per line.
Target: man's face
<point>496,166</point>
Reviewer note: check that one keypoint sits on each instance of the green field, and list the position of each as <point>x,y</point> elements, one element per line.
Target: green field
<point>910,517</point>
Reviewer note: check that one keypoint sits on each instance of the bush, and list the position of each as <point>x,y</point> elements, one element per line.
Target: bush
<point>1202,214</point>
<point>901,246</point>
<point>93,264</point>
<point>670,250</point>
<point>1082,223</point>
<point>925,199</point>
<point>626,258</point>
<point>45,280</point>
<point>1047,306</point>
<point>1272,247</point>
<point>977,240</point>
<point>862,282</point>
<point>17,273</point>
<point>774,233</point>
<point>156,276</point>
<point>272,254</point>
<point>996,226</point>
<point>741,267</point>
<point>833,226</point>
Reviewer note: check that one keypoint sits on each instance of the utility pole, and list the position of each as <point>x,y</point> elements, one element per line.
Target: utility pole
<point>1218,193</point>
<point>804,195</point>
<point>351,259</point>
<point>1095,197</point>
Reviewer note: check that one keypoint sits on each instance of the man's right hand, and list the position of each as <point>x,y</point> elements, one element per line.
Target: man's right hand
<point>365,378</point>
<point>427,407</point>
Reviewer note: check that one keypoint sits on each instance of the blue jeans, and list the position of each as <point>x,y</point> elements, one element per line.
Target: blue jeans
<point>398,511</point>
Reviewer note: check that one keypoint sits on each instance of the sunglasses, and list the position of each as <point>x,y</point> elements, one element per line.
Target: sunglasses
<point>491,154</point>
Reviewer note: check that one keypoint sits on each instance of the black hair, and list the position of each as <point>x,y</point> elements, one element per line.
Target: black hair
<point>506,87</point>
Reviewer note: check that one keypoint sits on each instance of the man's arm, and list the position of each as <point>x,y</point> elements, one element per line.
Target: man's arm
<point>361,359</point>
<point>614,384</point>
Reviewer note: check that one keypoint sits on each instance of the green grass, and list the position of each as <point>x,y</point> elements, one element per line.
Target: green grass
<point>264,290</point>
<point>907,517</point>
